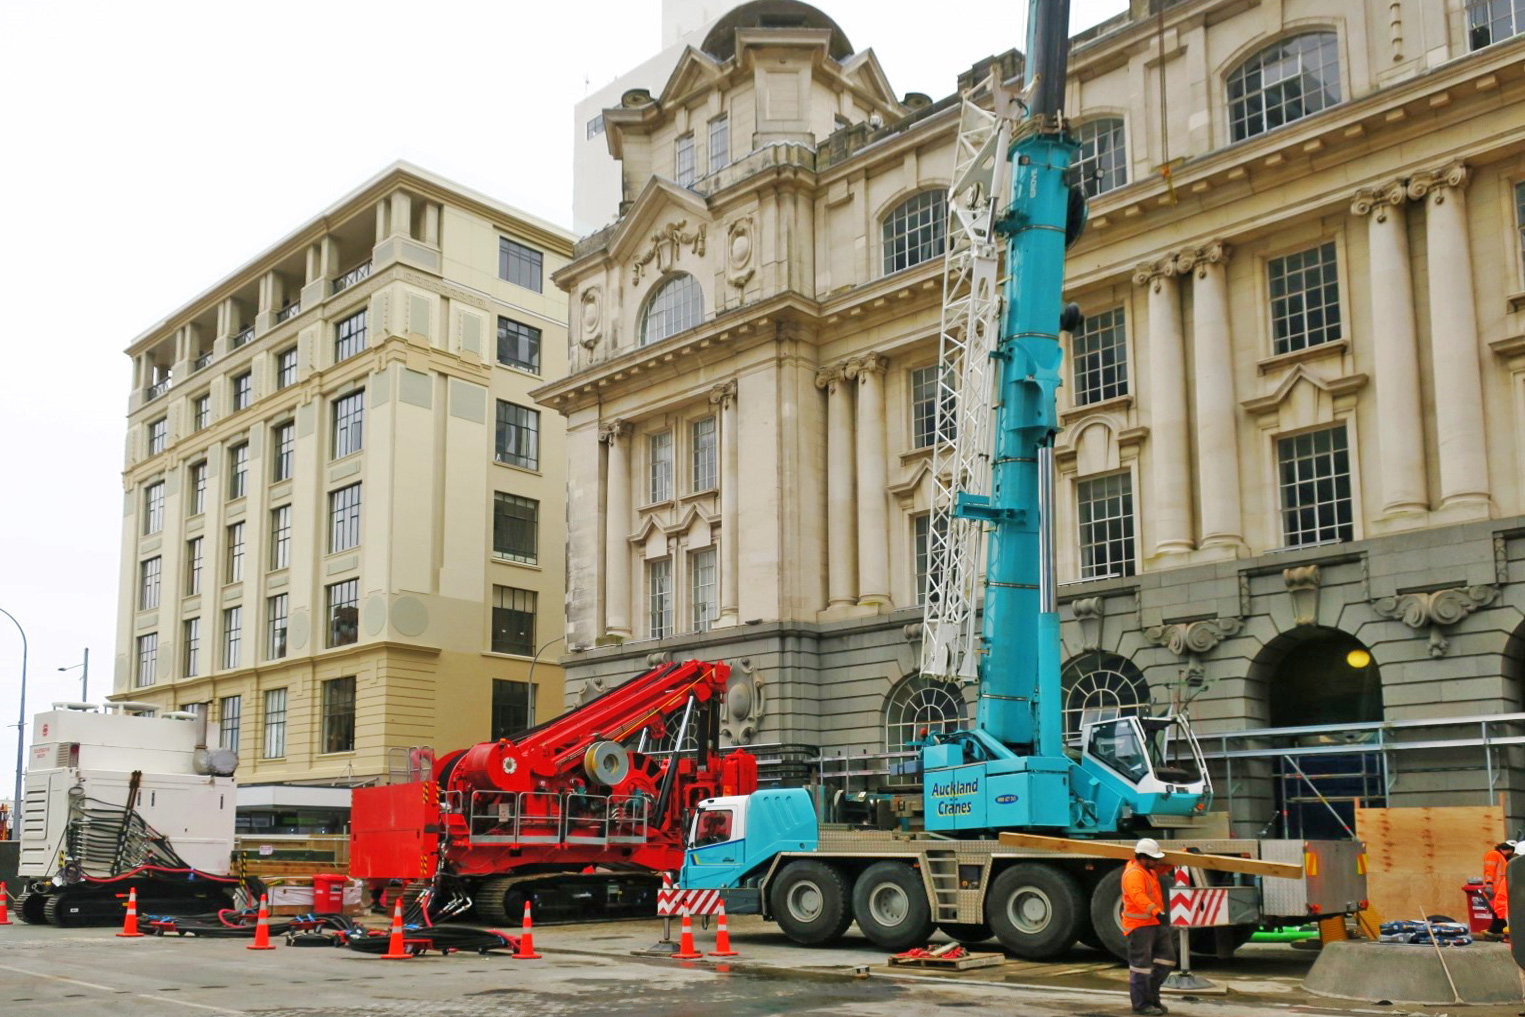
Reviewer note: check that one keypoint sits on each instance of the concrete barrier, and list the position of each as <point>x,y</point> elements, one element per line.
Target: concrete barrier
<point>1401,973</point>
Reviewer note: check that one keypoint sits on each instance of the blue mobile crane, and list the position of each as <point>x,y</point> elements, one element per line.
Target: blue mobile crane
<point>1016,768</point>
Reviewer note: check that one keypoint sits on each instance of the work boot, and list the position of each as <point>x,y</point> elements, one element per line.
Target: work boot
<point>1149,1010</point>
<point>1161,1007</point>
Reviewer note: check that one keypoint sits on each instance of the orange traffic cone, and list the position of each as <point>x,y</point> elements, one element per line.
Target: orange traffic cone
<point>526,949</point>
<point>686,949</point>
<point>722,937</point>
<point>396,947</point>
<point>130,923</point>
<point>4,917</point>
<point>261,927</point>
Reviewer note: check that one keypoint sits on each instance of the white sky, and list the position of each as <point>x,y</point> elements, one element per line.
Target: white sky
<point>153,147</point>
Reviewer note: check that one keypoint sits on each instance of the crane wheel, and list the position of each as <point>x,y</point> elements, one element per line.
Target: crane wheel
<point>967,933</point>
<point>809,902</point>
<point>1107,914</point>
<point>1034,910</point>
<point>891,907</point>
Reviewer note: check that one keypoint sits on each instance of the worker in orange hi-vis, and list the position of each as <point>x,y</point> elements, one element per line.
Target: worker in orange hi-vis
<point>1494,863</point>
<point>1501,901</point>
<point>1146,926</point>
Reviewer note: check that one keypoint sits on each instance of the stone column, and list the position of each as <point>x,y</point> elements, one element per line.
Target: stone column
<point>1455,362</point>
<point>1395,343</point>
<point>402,214</point>
<point>724,396</point>
<point>1213,392</point>
<point>616,434</point>
<point>841,544</point>
<point>1170,454</point>
<point>873,480</point>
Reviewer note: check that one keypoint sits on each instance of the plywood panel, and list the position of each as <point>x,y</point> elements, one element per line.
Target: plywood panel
<point>1418,859</point>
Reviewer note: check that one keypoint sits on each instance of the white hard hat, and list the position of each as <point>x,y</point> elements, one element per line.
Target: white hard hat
<point>1150,847</point>
<point>1512,843</point>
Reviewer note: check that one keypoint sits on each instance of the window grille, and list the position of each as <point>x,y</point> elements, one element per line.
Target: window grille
<point>675,306</point>
<point>1286,81</point>
<point>1305,298</point>
<point>1105,512</point>
<point>1314,478</point>
<point>914,231</point>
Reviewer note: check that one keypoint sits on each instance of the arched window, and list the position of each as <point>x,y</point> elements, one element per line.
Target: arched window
<point>675,305</point>
<point>1100,686</point>
<point>914,231</point>
<point>1103,161</point>
<point>919,706</point>
<point>1284,82</point>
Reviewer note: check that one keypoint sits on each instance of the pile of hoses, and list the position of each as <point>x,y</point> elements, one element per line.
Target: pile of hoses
<point>234,923</point>
<point>447,939</point>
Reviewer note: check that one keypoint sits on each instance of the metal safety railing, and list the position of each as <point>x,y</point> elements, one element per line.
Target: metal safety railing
<point>541,817</point>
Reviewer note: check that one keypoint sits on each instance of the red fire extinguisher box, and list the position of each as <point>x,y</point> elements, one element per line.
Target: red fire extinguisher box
<point>1479,908</point>
<point>328,894</point>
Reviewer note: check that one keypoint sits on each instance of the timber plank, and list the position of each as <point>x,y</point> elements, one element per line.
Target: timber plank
<point>1102,849</point>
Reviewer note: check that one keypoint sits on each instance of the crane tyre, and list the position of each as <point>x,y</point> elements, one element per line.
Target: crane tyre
<point>890,905</point>
<point>1034,910</point>
<point>1107,914</point>
<point>809,900</point>
<point>967,933</point>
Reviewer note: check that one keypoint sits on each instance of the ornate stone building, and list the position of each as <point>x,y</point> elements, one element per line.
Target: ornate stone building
<point>1292,471</point>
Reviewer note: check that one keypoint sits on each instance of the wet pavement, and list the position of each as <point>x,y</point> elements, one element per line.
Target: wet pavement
<point>605,969</point>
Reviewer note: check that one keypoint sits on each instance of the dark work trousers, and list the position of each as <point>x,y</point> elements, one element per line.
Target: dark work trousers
<point>1151,956</point>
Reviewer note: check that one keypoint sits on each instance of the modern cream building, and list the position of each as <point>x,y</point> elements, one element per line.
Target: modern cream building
<point>344,514</point>
<point>1292,471</point>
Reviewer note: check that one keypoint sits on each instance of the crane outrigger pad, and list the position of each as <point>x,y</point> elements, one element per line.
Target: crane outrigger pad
<point>1184,859</point>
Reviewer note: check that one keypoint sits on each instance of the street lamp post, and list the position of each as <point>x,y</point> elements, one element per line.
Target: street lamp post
<point>84,678</point>
<point>530,678</point>
<point>20,728</point>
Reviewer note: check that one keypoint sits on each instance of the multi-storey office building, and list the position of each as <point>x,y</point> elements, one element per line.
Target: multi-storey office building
<point>1292,471</point>
<point>344,513</point>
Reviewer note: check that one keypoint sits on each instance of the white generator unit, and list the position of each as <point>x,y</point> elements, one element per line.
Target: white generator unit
<point>117,797</point>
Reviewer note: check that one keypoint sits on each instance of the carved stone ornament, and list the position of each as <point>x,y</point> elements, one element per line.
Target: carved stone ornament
<point>1149,273</point>
<point>1379,199</point>
<point>1303,583</point>
<point>1437,182</point>
<point>592,317</point>
<point>1088,613</point>
<point>1191,641</point>
<point>1215,252</point>
<point>724,394</point>
<point>738,252</point>
<point>865,367</point>
<point>828,378</point>
<point>591,690</point>
<point>745,703</point>
<point>658,657</point>
<point>614,430</point>
<point>666,246</point>
<point>1435,610</point>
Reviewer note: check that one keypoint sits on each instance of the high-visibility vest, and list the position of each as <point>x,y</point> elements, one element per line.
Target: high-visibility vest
<point>1142,897</point>
<point>1493,866</point>
<point>1501,893</point>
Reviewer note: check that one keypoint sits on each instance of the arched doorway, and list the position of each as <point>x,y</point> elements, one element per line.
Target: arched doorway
<point>1317,677</point>
<point>1514,669</point>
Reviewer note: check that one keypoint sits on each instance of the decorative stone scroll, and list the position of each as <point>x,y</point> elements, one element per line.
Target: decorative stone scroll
<point>614,430</point>
<point>1435,183</point>
<point>666,247</point>
<point>745,703</point>
<point>1215,252</point>
<point>1435,610</point>
<point>1303,583</point>
<point>1192,641</point>
<point>724,394</point>
<point>1088,614</point>
<point>1380,199</point>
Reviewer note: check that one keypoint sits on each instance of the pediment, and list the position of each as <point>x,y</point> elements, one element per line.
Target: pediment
<point>1302,376</point>
<point>864,71</point>
<point>695,70</point>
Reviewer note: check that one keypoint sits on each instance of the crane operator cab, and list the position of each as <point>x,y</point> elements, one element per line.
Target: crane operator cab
<point>1154,763</point>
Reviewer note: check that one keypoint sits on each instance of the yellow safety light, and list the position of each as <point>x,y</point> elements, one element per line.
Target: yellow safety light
<point>1358,658</point>
<point>1310,863</point>
<point>1361,864</point>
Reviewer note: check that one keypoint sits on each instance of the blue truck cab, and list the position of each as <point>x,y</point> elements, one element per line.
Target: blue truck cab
<point>733,840</point>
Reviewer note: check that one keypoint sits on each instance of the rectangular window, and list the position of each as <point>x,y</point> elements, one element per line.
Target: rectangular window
<point>275,723</point>
<point>518,345</point>
<point>720,142</point>
<point>192,647</point>
<point>235,559</point>
<point>513,621</point>
<point>229,717</point>
<point>518,437</point>
<point>924,397</point>
<point>513,708</point>
<point>1314,478</point>
<point>158,436</point>
<point>349,424</point>
<point>1101,358</point>
<point>922,550</point>
<point>339,715</point>
<point>702,587</point>
<point>193,566</point>
<point>286,368</point>
<point>683,160</point>
<point>153,508</point>
<point>284,440</point>
<point>595,128</point>
<point>659,458</point>
<point>659,598</point>
<point>349,336</point>
<point>198,486</point>
<point>515,528</point>
<point>520,265</point>
<point>148,584</point>
<point>1305,298</point>
<point>201,412</point>
<point>243,390</point>
<point>148,659</point>
<point>232,635</point>
<point>1491,21</point>
<point>1519,220</point>
<point>344,518</point>
<point>275,614</point>
<point>280,537</point>
<point>238,471</point>
<point>344,612</point>
<point>704,437</point>
<point>1105,511</point>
